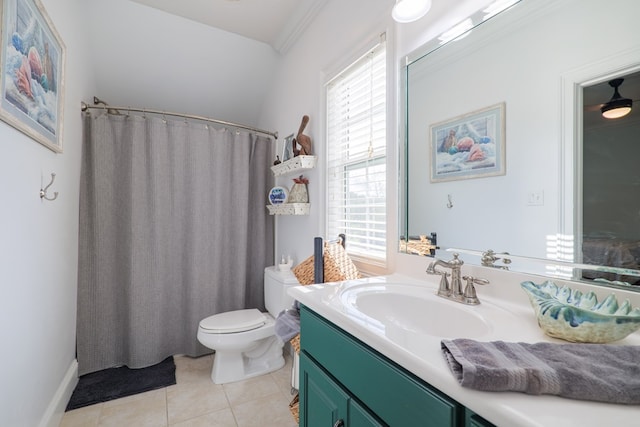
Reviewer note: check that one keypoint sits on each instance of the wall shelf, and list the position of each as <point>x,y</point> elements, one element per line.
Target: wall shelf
<point>289,209</point>
<point>298,163</point>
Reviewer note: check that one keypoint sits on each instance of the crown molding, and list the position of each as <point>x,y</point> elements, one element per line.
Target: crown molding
<point>302,17</point>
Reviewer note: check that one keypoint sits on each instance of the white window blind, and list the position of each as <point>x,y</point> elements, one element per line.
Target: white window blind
<point>356,155</point>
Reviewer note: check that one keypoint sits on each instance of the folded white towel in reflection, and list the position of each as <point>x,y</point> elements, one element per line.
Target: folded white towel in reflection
<point>599,372</point>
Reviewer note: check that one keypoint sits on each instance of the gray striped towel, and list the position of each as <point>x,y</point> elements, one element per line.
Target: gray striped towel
<point>599,372</point>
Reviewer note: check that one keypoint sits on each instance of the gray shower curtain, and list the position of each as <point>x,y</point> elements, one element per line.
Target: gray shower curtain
<point>173,228</point>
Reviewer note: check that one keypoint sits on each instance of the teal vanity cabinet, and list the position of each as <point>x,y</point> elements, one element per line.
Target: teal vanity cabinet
<point>343,382</point>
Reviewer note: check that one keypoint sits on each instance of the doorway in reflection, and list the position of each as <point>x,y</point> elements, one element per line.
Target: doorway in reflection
<point>610,212</point>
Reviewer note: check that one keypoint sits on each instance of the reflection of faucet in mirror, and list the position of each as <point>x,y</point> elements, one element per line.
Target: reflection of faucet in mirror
<point>489,258</point>
<point>454,291</point>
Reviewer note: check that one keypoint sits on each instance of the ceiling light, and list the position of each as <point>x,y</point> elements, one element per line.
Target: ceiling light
<point>618,106</point>
<point>410,10</point>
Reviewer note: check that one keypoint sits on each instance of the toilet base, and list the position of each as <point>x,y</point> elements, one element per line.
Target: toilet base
<point>234,365</point>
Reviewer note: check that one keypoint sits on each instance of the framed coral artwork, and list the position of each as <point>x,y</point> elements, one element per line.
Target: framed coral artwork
<point>32,65</point>
<point>469,146</point>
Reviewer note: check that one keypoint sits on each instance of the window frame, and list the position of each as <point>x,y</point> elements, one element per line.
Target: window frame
<point>367,263</point>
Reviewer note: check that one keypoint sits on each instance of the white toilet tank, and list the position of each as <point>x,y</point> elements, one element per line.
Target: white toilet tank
<point>276,283</point>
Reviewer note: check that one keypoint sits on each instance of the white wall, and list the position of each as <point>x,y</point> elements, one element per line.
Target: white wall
<point>38,249</point>
<point>144,57</point>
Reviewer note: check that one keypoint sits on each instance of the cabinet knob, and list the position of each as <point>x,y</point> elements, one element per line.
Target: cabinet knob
<point>339,423</point>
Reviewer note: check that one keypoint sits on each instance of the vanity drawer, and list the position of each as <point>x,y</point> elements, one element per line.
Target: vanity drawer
<point>392,393</point>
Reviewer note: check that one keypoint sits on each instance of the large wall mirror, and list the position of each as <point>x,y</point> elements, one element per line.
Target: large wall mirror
<point>507,148</point>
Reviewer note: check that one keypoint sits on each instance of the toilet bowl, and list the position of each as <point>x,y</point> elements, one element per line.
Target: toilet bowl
<point>244,341</point>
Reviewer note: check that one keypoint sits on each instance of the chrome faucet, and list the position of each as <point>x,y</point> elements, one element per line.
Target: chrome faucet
<point>454,290</point>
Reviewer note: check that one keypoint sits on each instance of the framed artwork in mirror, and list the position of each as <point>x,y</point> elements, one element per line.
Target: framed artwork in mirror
<point>287,148</point>
<point>32,72</point>
<point>469,146</point>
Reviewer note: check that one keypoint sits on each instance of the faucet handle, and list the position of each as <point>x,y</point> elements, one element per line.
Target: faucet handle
<point>444,290</point>
<point>476,280</point>
<point>469,295</point>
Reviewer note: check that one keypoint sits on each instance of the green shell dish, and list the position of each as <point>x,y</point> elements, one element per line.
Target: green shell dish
<point>573,316</point>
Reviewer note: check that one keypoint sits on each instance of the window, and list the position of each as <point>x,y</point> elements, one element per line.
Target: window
<point>356,155</point>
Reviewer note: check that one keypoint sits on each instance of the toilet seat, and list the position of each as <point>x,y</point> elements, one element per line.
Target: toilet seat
<point>233,321</point>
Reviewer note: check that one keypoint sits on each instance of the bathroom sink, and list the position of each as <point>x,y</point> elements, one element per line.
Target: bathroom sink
<point>393,308</point>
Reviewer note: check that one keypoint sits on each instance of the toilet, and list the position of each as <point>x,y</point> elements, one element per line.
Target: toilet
<point>245,341</point>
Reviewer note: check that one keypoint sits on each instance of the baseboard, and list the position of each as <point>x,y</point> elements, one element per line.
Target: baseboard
<point>55,411</point>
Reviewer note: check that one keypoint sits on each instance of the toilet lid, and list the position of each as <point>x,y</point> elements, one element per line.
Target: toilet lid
<point>234,321</point>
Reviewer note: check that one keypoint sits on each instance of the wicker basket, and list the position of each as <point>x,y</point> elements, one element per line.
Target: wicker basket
<point>294,407</point>
<point>337,266</point>
<point>295,343</point>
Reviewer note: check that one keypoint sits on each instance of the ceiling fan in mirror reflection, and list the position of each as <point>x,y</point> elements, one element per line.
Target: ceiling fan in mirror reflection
<point>618,106</point>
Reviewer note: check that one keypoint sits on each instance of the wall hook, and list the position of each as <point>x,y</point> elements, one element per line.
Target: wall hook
<point>450,204</point>
<point>43,192</point>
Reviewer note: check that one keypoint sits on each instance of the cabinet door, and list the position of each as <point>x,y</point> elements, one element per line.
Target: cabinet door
<point>324,403</point>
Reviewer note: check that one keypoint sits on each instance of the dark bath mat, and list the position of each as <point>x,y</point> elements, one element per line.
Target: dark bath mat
<point>114,383</point>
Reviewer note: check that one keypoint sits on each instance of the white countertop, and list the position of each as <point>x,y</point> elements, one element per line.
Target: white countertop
<point>512,321</point>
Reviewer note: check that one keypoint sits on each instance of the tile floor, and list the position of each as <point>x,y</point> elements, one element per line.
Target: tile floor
<point>196,401</point>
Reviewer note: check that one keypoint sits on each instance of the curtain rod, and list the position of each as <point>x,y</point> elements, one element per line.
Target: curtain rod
<point>84,107</point>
